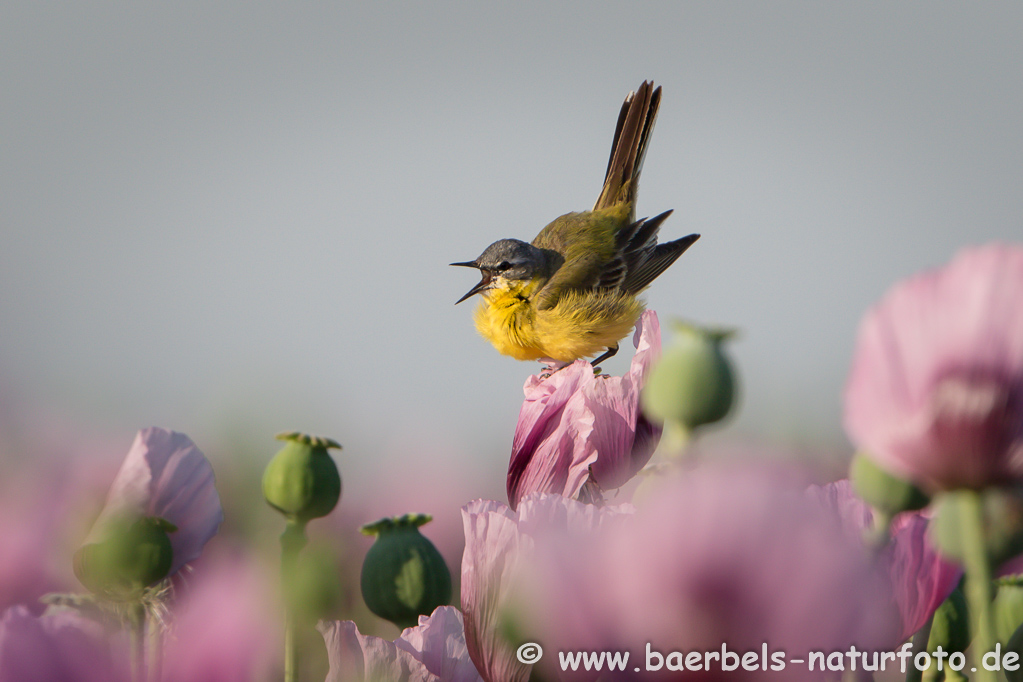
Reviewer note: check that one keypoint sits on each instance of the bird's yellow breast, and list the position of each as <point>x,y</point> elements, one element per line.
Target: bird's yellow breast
<point>582,324</point>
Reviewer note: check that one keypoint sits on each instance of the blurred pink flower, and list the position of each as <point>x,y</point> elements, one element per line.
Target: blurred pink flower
<point>498,542</point>
<point>717,556</point>
<point>574,425</point>
<point>56,647</point>
<point>433,651</point>
<point>1013,566</point>
<point>51,477</point>
<point>225,630</point>
<point>26,534</point>
<point>165,475</point>
<point>920,578</point>
<point>935,393</point>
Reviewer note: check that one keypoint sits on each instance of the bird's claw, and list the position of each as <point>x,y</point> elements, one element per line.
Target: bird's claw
<point>551,367</point>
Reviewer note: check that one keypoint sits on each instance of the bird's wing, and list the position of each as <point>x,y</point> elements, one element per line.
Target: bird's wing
<point>640,259</point>
<point>654,263</point>
<point>633,245</point>
<point>586,243</point>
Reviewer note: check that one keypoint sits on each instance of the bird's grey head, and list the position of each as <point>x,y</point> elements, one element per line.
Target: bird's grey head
<point>507,259</point>
<point>511,259</point>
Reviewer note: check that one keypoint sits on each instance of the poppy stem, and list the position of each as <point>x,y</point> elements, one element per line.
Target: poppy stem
<point>137,636</point>
<point>154,636</point>
<point>920,641</point>
<point>978,579</point>
<point>293,539</point>
<point>675,440</point>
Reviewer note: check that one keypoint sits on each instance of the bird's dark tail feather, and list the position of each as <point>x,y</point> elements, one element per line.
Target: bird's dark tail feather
<point>632,133</point>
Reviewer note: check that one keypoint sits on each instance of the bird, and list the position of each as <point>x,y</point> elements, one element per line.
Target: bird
<point>572,292</point>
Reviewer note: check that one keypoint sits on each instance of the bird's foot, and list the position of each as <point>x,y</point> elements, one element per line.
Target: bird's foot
<point>609,354</point>
<point>551,366</point>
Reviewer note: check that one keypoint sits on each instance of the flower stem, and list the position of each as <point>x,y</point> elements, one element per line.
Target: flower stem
<point>290,651</point>
<point>154,635</point>
<point>675,440</point>
<point>920,641</point>
<point>293,539</point>
<point>137,635</point>
<point>978,579</point>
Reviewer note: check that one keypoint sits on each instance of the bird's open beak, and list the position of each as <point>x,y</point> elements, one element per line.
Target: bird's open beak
<point>482,286</point>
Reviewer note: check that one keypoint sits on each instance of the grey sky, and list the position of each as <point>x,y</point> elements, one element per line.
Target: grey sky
<point>235,214</point>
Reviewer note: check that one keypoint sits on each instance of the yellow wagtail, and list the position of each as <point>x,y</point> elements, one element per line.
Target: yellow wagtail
<point>572,292</point>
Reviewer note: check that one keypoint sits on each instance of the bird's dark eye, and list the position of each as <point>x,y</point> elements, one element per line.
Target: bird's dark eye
<point>503,265</point>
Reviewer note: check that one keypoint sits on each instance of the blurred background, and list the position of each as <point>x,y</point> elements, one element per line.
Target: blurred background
<point>231,219</point>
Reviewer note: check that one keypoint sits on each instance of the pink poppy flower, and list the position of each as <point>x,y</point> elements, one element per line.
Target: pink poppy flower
<point>719,556</point>
<point>225,628</point>
<point>43,495</point>
<point>1013,566</point>
<point>26,535</point>
<point>498,543</point>
<point>433,651</point>
<point>574,426</point>
<point>56,647</point>
<point>920,578</point>
<point>166,476</point>
<point>935,393</point>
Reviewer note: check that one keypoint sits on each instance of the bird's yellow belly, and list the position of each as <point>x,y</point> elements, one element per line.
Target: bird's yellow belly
<point>581,325</point>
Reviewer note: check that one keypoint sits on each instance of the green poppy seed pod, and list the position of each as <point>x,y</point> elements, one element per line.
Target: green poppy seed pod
<point>302,481</point>
<point>883,491</point>
<point>1002,510</point>
<point>950,628</point>
<point>693,383</point>
<point>1015,645</point>
<point>403,575</point>
<point>131,557</point>
<point>1008,608</point>
<point>1003,514</point>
